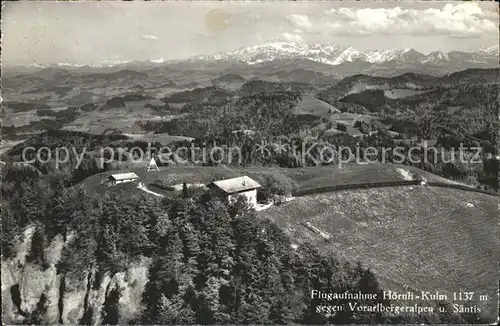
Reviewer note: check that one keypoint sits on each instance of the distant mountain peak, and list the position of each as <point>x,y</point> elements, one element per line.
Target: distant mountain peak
<point>286,56</point>
<point>491,50</point>
<point>334,55</point>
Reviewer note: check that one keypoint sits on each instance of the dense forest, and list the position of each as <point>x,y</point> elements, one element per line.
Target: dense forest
<point>271,119</point>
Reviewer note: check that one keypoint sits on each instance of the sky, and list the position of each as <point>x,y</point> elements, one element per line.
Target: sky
<point>46,32</point>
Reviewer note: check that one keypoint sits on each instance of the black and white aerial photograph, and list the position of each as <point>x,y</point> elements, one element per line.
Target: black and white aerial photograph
<point>250,163</point>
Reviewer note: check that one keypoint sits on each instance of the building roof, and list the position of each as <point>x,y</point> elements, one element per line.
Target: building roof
<point>238,184</point>
<point>124,176</point>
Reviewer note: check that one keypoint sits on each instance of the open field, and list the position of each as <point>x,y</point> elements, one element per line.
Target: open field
<point>350,118</point>
<point>325,176</point>
<point>21,118</point>
<point>95,121</point>
<point>426,238</point>
<point>312,105</point>
<point>402,93</point>
<point>393,93</point>
<point>306,178</point>
<point>161,138</point>
<point>117,118</point>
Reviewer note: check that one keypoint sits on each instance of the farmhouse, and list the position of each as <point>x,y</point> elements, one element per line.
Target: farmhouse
<point>241,186</point>
<point>121,178</point>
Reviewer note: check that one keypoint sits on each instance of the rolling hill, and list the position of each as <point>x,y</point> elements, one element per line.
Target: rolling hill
<point>418,83</point>
<point>302,76</point>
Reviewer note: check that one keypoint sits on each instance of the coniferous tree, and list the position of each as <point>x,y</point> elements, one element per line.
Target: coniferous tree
<point>217,241</point>
<point>38,245</point>
<point>110,312</point>
<point>185,190</point>
<point>58,212</point>
<point>31,204</point>
<point>10,230</point>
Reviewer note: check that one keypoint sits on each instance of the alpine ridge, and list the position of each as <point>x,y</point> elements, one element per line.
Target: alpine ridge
<point>326,58</point>
<point>335,55</point>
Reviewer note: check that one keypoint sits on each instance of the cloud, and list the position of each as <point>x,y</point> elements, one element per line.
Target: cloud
<point>292,37</point>
<point>149,37</point>
<point>457,20</point>
<point>301,21</point>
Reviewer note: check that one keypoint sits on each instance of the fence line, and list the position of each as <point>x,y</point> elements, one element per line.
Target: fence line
<point>367,185</point>
<point>462,187</point>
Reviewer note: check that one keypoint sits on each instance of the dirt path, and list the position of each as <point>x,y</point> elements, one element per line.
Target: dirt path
<point>143,188</point>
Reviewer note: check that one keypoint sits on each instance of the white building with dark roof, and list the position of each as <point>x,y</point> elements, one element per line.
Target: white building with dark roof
<point>121,178</point>
<point>240,186</point>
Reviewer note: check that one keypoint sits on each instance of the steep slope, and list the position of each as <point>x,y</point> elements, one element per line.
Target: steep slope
<point>66,299</point>
<point>421,238</point>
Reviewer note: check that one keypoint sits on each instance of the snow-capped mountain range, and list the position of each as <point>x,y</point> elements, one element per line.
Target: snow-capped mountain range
<point>336,55</point>
<point>323,53</point>
<point>331,59</point>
